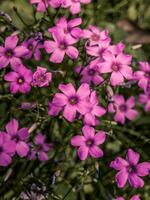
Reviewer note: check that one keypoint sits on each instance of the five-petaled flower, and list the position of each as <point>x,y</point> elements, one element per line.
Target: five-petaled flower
<point>88,143</point>
<point>130,170</point>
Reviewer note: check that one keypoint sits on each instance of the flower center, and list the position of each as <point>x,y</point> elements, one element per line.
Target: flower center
<point>123,107</point>
<point>41,78</point>
<point>147,74</point>
<point>30,47</point>
<point>15,138</point>
<point>115,67</point>
<point>73,100</point>
<point>95,37</point>
<point>1,149</point>
<point>89,142</point>
<point>63,46</point>
<point>91,72</point>
<point>9,53</point>
<point>20,80</point>
<point>131,169</point>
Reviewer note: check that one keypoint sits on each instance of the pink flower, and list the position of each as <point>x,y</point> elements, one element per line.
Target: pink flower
<point>7,149</point>
<point>89,142</point>
<point>53,110</point>
<point>74,5</point>
<point>95,36</point>
<point>135,197</point>
<point>18,136</point>
<point>40,148</point>
<point>11,53</point>
<point>41,4</point>
<point>97,111</point>
<point>69,27</point>
<point>130,170</point>
<point>123,109</point>
<point>33,47</point>
<point>98,50</point>
<point>73,101</point>
<point>143,76</point>
<point>118,66</point>
<point>145,99</point>
<point>117,48</point>
<point>61,45</point>
<point>91,74</point>
<point>41,77</point>
<point>20,79</point>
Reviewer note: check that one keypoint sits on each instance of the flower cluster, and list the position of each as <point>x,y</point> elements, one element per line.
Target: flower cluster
<point>93,95</point>
<point>15,141</point>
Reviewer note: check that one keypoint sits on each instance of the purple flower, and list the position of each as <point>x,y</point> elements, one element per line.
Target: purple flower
<point>75,5</point>
<point>20,79</point>
<point>97,111</point>
<point>69,27</point>
<point>117,48</point>
<point>95,36</point>
<point>11,53</point>
<point>40,148</point>
<point>18,136</point>
<point>91,74</point>
<point>53,110</point>
<point>143,76</point>
<point>41,77</point>
<point>123,109</point>
<point>118,66</point>
<point>135,197</point>
<point>41,4</point>
<point>61,45</point>
<point>130,170</point>
<point>89,142</point>
<point>145,99</point>
<point>73,101</point>
<point>33,47</point>
<point>7,149</point>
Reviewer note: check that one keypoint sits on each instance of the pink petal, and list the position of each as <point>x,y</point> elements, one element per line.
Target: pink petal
<point>11,76</point>
<point>21,51</point>
<point>124,59</point>
<point>23,133</point>
<point>131,114</point>
<point>43,156</point>
<point>5,159</point>
<point>60,99</point>
<point>62,22</point>
<point>135,197</point>
<point>78,140</point>
<point>132,157</point>
<point>90,119</point>
<point>119,99</point>
<point>75,8</point>
<point>127,72</point>
<point>12,127</point>
<point>50,46</point>
<point>9,147</point>
<point>99,111</point>
<point>95,152</point>
<point>72,52</point>
<point>69,112</point>
<point>135,181</point>
<point>14,88</point>
<point>97,79</point>
<point>75,22</point>
<point>3,62</point>
<point>67,89</point>
<point>120,117</point>
<point>130,102</point>
<point>119,163</point>
<point>22,149</point>
<point>83,91</point>
<point>39,139</point>
<point>121,178</point>
<point>108,56</point>
<point>99,138</point>
<point>116,78</point>
<point>11,41</point>
<point>105,67</point>
<point>57,56</point>
<point>83,152</point>
<point>88,132</point>
<point>143,169</point>
<point>83,107</point>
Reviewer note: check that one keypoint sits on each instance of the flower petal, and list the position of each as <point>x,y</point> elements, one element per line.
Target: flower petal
<point>88,132</point>
<point>83,152</point>
<point>99,138</point>
<point>132,157</point>
<point>22,149</point>
<point>12,127</point>
<point>59,99</point>
<point>121,178</point>
<point>95,152</point>
<point>69,112</point>
<point>78,140</point>
<point>135,181</point>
